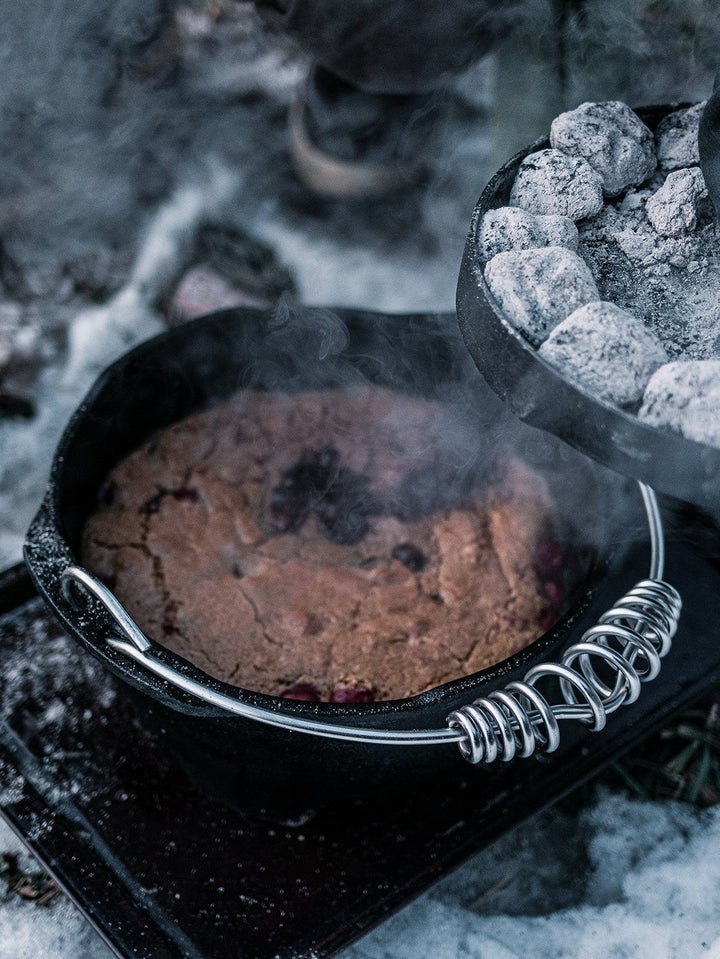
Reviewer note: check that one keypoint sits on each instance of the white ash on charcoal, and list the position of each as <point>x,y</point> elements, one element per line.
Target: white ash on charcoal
<point>611,138</point>
<point>510,228</point>
<point>676,138</point>
<point>670,282</point>
<point>605,351</point>
<point>685,397</point>
<point>653,252</point>
<point>673,209</point>
<point>538,288</point>
<point>550,181</point>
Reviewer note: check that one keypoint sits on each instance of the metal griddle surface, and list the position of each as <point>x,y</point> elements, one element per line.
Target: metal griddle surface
<point>162,871</point>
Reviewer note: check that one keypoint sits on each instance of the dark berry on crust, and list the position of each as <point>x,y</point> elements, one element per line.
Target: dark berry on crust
<point>152,506</point>
<point>352,694</point>
<point>169,621</point>
<point>344,509</point>
<point>106,493</point>
<point>302,487</point>
<point>411,556</point>
<point>303,692</point>
<point>548,556</point>
<point>187,494</point>
<point>552,591</point>
<point>109,580</point>
<point>318,484</point>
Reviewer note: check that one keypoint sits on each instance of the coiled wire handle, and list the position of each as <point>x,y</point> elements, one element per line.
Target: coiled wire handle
<point>596,675</point>
<point>626,644</point>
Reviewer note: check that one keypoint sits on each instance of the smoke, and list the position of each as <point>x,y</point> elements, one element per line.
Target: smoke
<point>108,107</point>
<point>69,153</point>
<point>641,52</point>
<point>116,116</point>
<point>465,445</point>
<point>104,113</point>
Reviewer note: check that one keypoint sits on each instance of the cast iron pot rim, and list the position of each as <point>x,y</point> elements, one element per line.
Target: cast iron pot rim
<point>46,538</point>
<point>700,461</point>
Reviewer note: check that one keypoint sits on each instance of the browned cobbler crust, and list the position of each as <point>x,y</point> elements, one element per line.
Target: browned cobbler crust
<point>186,535</point>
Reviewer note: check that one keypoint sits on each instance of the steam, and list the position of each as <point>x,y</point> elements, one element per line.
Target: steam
<point>107,135</point>
<point>463,447</point>
<point>107,109</point>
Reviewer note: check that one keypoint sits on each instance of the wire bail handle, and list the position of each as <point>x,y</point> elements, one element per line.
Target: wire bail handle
<point>629,640</point>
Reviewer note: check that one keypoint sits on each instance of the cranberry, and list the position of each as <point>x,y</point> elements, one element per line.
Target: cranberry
<point>548,619</point>
<point>548,556</point>
<point>187,494</point>
<point>549,562</point>
<point>304,692</point>
<point>552,592</point>
<point>351,694</point>
<point>411,556</point>
<point>170,612</point>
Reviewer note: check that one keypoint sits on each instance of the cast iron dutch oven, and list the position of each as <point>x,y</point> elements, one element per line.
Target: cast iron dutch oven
<point>253,764</point>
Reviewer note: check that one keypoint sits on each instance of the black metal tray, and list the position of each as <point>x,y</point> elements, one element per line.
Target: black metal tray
<point>162,871</point>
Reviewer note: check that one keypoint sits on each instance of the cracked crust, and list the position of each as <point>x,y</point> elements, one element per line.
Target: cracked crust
<point>184,536</point>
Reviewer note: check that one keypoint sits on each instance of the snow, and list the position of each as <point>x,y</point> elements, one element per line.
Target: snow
<point>56,931</point>
<point>648,888</point>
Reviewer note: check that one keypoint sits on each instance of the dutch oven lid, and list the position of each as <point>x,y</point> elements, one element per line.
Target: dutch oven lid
<point>538,394</point>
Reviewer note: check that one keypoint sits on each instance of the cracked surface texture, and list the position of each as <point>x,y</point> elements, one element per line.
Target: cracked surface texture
<point>184,535</point>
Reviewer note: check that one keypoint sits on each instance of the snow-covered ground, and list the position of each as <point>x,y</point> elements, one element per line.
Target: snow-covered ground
<point>615,879</point>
